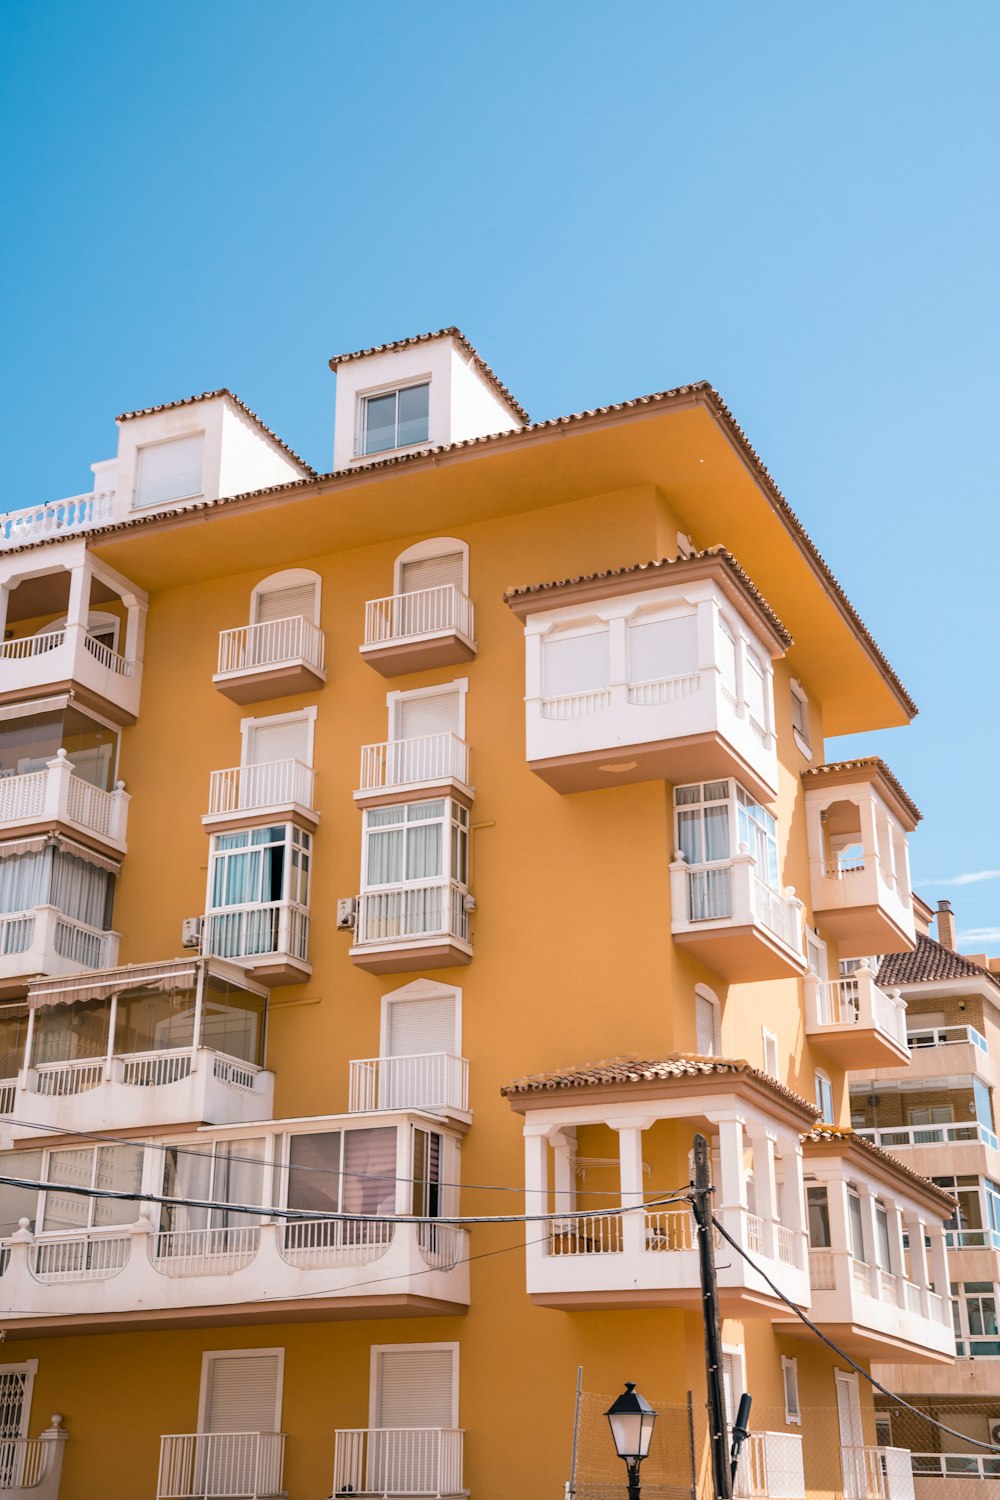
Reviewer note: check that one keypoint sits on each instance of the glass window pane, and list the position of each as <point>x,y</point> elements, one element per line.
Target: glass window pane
<point>151,1020</point>
<point>423,851</point>
<point>67,1033</point>
<point>370,1171</point>
<point>18,1203</point>
<point>819,1218</point>
<point>119,1169</point>
<point>717,832</point>
<point>414,409</point>
<point>314,1172</point>
<point>380,423</point>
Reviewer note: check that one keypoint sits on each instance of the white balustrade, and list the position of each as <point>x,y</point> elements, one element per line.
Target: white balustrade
<point>788,1245</point>
<point>428,909</point>
<point>443,1245</point>
<point>24,647</point>
<point>893,1137</point>
<point>389,1461</point>
<point>84,1257</point>
<point>770,1467</point>
<point>144,1070</point>
<point>235,1074</point>
<point>667,690</point>
<point>335,1242</point>
<point>424,612</point>
<point>731,893</point>
<point>204,1252</point>
<point>56,518</point>
<point>775,912</point>
<point>574,705</point>
<point>271,643</point>
<point>755,1234</point>
<point>255,931</point>
<point>8,1097</point>
<point>947,1036</point>
<point>271,784</point>
<point>63,1079</point>
<point>877,1473</point>
<point>56,795</point>
<point>586,1234</point>
<point>670,1229</point>
<point>956,1465</point>
<point>107,657</point>
<point>17,931</point>
<point>428,757</point>
<point>85,947</point>
<point>822,1273</point>
<point>43,941</point>
<point>429,1080</point>
<point>238,1465</point>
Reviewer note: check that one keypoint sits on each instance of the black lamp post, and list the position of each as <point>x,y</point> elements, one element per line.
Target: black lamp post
<point>631,1419</point>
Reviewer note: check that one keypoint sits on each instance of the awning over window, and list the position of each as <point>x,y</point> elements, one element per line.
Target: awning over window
<point>39,841</point>
<point>174,974</point>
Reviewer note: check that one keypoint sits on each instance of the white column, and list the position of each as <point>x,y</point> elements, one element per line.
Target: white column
<point>536,1171</point>
<point>630,1171</point>
<point>730,1198</point>
<point>840,1235</point>
<point>135,628</point>
<point>563,1143</point>
<point>869,831</point>
<point>919,1267</point>
<point>765,1187</point>
<point>897,1255</point>
<point>404,1169</point>
<point>939,1261</point>
<point>705,642</point>
<point>6,589</point>
<point>792,1198</point>
<point>868,1223</point>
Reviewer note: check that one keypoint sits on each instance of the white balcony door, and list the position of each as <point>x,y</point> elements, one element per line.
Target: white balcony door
<point>852,1458</point>
<point>415,1028</point>
<point>414,1389</point>
<point>241,1393</point>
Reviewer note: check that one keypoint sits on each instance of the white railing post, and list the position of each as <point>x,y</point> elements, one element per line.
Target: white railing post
<point>60,770</point>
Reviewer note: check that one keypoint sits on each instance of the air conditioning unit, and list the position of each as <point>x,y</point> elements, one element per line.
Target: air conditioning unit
<point>347,913</point>
<point>191,930</point>
<point>468,903</point>
<point>995,1433</point>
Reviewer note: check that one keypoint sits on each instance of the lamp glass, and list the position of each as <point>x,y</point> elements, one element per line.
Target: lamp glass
<point>631,1419</point>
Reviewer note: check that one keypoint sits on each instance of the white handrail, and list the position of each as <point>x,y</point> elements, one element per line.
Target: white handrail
<point>56,518</point>
<point>424,909</point>
<point>389,1461</point>
<point>428,757</point>
<point>335,1242</point>
<point>93,1256</point>
<point>585,1234</point>
<point>204,1252</point>
<point>254,931</point>
<point>270,784</point>
<point>238,1465</point>
<point>271,643</point>
<point>424,612</point>
<point>428,1080</point>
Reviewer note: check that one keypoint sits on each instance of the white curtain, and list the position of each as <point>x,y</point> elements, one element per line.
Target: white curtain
<point>24,881</point>
<point>79,889</point>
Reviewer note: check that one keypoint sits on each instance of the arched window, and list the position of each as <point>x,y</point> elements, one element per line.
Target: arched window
<point>431,564</point>
<point>708,1038</point>
<point>285,596</point>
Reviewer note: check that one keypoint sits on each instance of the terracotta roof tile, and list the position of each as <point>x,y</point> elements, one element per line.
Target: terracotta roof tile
<point>150,411</point>
<point>824,1134</point>
<point>929,960</point>
<point>425,338</point>
<point>867,763</point>
<point>668,565</point>
<point>637,1070</point>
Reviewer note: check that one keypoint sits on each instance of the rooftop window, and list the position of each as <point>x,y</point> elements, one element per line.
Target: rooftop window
<point>394,419</point>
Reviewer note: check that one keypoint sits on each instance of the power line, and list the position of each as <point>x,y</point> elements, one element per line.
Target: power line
<point>796,1309</point>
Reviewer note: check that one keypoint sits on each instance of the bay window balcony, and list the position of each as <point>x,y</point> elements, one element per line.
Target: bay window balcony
<point>54,641</point>
<point>272,659</point>
<point>727,905</point>
<point>646,1254</point>
<point>346,1225</point>
<point>857,1024</point>
<point>147,1045</point>
<point>398,1461</point>
<point>56,898</point>
<point>414,907</point>
<point>857,819</point>
<point>919,1115</point>
<point>878,1265</point>
<point>258,901</point>
<point>661,672</point>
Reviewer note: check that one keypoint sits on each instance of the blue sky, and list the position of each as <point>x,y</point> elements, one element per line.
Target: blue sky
<point>795,201</point>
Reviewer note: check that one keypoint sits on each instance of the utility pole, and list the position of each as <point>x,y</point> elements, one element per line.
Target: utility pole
<point>701,1205</point>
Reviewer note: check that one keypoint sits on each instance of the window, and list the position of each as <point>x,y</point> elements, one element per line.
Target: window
<point>417,841</point>
<point>800,718</point>
<point>169,471</point>
<point>818,1215</point>
<point>240,1392</point>
<point>426,1200</point>
<point>259,867</point>
<point>661,649</point>
<point>226,1172</point>
<point>81,890</point>
<point>978,1304</point>
<point>883,1258</point>
<point>733,1381</point>
<point>343,1171</point>
<point>575,663</point>
<point>824,1098</point>
<point>715,817</point>
<point>414,1385</point>
<point>395,419</point>
<point>420,1019</point>
<point>428,711</point>
<point>790,1376</point>
<point>286,595</point>
<point>276,738</point>
<point>706,1018</point>
<point>29,741</point>
<point>437,563</point>
<point>930,1114</point>
<point>855,1225</point>
<point>770,1052</point>
<point>115,1168</point>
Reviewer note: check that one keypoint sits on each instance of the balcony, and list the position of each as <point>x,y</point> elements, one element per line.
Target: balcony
<point>31,1468</point>
<point>56,798</point>
<point>736,924</point>
<point>271,660</point>
<point>649,674</point>
<point>134,1274</point>
<point>429,764</point>
<point>857,817</point>
<point>56,519</point>
<point>901,1137</point>
<point>44,941</point>
<point>877,1473</point>
<point>770,1468</point>
<point>420,926</point>
<point>435,1081</point>
<point>403,1461</point>
<point>885,1316</point>
<point>238,1465</point>
<point>857,1024</point>
<point>943,1476</point>
<point>274,790</point>
<point>270,939</point>
<point>70,658</point>
<point>416,631</point>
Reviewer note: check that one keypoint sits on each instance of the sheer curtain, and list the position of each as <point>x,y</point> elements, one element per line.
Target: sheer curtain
<point>79,889</point>
<point>24,881</point>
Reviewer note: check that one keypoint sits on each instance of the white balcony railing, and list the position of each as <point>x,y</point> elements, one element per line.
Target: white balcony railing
<point>431,909</point>
<point>429,1080</point>
<point>57,518</point>
<point>877,1473</point>
<point>56,795</point>
<point>238,1465</point>
<point>272,784</point>
<point>314,1243</point>
<point>272,643</point>
<point>90,1257</point>
<point>389,1461</point>
<point>893,1137</point>
<point>248,932</point>
<point>204,1252</point>
<point>43,941</point>
<point>956,1465</point>
<point>424,612</point>
<point>732,894</point>
<point>429,757</point>
<point>946,1036</point>
<point>855,1001</point>
<point>770,1467</point>
<point>586,1234</point>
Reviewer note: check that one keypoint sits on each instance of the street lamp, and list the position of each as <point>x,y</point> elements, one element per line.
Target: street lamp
<point>631,1419</point>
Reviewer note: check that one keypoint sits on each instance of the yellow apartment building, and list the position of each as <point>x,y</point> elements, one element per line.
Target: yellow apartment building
<point>445,837</point>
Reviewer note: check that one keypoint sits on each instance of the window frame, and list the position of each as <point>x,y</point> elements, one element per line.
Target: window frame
<point>449,822</point>
<point>289,578</point>
<point>379,393</point>
<point>209,1354</point>
<point>297,856</point>
<point>452,1345</point>
<point>141,448</point>
<point>249,725</point>
<point>459,688</point>
<point>769,1039</point>
<point>802,737</point>
<point>824,1091</point>
<point>419,989</point>
<point>702,992</point>
<point>790,1373</point>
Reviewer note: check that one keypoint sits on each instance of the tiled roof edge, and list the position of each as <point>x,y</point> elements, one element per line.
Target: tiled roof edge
<point>719,552</point>
<point>150,411</point>
<point>821,1133</point>
<point>863,764</point>
<point>426,338</point>
<point>961,967</point>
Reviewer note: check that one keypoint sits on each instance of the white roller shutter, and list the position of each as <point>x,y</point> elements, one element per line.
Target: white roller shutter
<point>284,604</point>
<point>414,1027</point>
<point>415,1388</point>
<point>431,572</point>
<point>284,741</point>
<point>576,664</point>
<point>659,649</point>
<point>243,1392</point>
<point>170,471</point>
<point>704,1023</point>
<point>436,713</point>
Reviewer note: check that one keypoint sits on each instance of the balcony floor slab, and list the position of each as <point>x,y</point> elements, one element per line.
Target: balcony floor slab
<point>851,1046</point>
<point>419,654</point>
<point>740,953</point>
<point>261,684</point>
<point>401,958</point>
<point>697,757</point>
